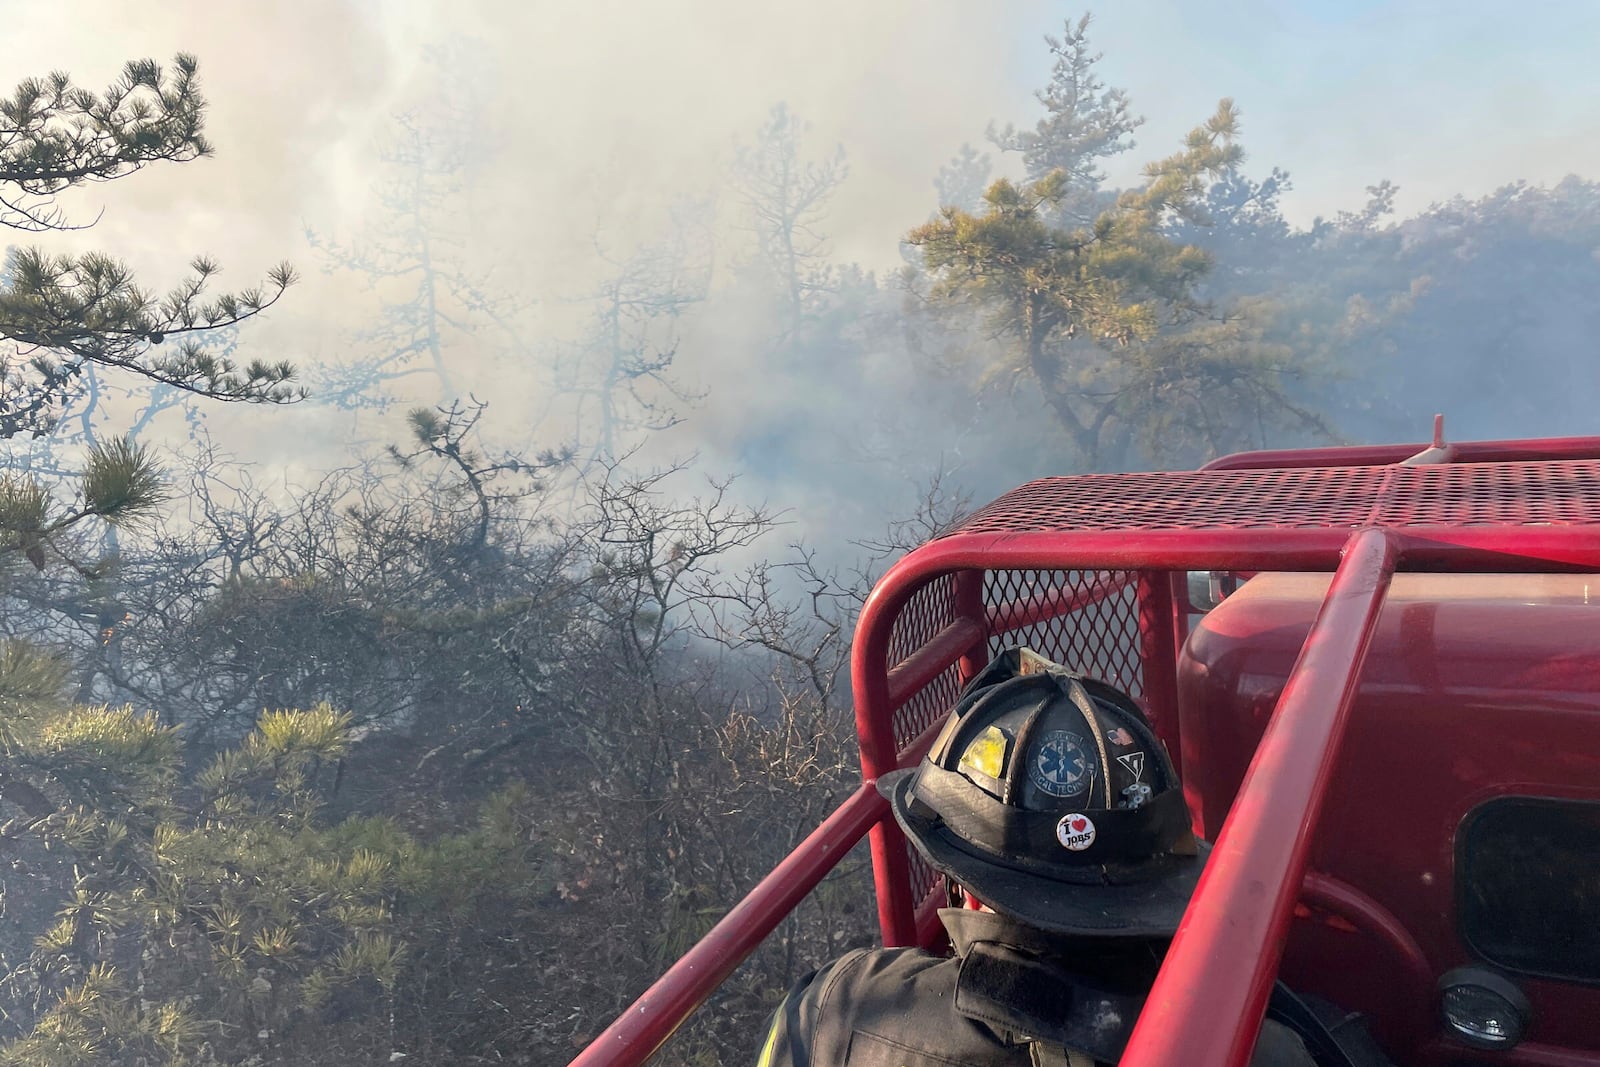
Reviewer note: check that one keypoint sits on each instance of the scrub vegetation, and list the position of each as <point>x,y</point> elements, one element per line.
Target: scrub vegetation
<point>440,754</point>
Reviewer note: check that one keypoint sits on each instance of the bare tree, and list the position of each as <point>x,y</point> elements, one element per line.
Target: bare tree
<point>619,377</point>
<point>435,303</point>
<point>787,197</point>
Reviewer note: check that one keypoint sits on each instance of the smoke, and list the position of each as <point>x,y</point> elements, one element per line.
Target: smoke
<point>582,132</point>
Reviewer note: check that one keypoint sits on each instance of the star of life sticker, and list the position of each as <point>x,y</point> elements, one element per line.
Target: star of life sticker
<point>1075,832</point>
<point>1062,767</point>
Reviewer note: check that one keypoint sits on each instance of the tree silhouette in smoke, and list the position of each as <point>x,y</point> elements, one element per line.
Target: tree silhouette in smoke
<point>437,306</point>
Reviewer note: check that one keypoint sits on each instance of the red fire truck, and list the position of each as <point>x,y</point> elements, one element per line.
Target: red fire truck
<point>1378,669</point>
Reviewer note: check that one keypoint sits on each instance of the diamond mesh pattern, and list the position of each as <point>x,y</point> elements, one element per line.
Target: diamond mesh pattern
<point>1100,639</point>
<point>929,610</point>
<point>924,879</point>
<point>930,704</point>
<point>1560,493</point>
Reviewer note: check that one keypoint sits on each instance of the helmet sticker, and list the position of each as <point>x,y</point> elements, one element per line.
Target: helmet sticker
<point>1030,662</point>
<point>1063,766</point>
<point>1075,832</point>
<point>1120,737</point>
<point>1134,761</point>
<point>987,753</point>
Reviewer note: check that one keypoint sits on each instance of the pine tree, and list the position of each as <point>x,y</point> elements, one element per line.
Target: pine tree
<point>64,313</point>
<point>1084,123</point>
<point>1072,297</point>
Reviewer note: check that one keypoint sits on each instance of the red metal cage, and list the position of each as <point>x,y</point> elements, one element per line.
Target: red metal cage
<point>1090,570</point>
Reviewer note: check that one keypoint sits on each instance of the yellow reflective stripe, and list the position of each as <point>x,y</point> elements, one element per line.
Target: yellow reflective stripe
<point>765,1059</point>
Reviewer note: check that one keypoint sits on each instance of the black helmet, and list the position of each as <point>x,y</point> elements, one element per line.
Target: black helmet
<point>1048,796</point>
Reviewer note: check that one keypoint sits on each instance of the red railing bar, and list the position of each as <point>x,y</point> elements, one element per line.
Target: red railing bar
<point>947,646</point>
<point>1206,1005</point>
<point>1159,658</point>
<point>1527,451</point>
<point>930,929</point>
<point>899,920</point>
<point>880,754</point>
<point>1378,455</point>
<point>878,693</point>
<point>969,605</point>
<point>1042,607</point>
<point>653,1018</point>
<point>927,930</point>
<point>1531,549</point>
<point>891,883</point>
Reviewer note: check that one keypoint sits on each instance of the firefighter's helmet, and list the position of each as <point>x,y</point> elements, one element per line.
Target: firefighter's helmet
<point>1049,797</point>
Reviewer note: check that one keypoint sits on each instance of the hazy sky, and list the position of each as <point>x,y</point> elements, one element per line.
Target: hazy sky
<point>1442,98</point>
<point>595,114</point>
<point>615,100</point>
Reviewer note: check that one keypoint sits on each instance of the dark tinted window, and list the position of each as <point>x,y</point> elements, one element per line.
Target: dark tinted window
<point>1529,886</point>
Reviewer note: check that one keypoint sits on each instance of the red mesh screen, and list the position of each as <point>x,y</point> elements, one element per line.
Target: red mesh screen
<point>924,879</point>
<point>1100,639</point>
<point>929,610</point>
<point>1475,494</point>
<point>928,706</point>
<point>1089,620</point>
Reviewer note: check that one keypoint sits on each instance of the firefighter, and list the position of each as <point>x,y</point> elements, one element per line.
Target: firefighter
<point>1058,820</point>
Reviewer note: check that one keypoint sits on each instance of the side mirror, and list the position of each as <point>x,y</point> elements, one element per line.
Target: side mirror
<point>1207,589</point>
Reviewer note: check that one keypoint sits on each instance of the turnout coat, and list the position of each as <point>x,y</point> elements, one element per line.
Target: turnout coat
<point>1007,998</point>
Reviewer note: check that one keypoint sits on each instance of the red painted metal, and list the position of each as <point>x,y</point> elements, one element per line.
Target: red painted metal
<point>912,674</point>
<point>1011,615</point>
<point>1160,657</point>
<point>1178,596</point>
<point>927,931</point>
<point>1087,620</point>
<point>1058,556</point>
<point>875,726</point>
<point>1476,686</point>
<point>969,605</point>
<point>1206,1005</point>
<point>653,1018</point>
<point>1456,497</point>
<point>1374,455</point>
<point>1339,898</point>
<point>1466,549</point>
<point>929,611</point>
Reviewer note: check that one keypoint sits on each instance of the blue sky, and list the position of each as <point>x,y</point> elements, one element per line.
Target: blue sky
<point>1440,98</point>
